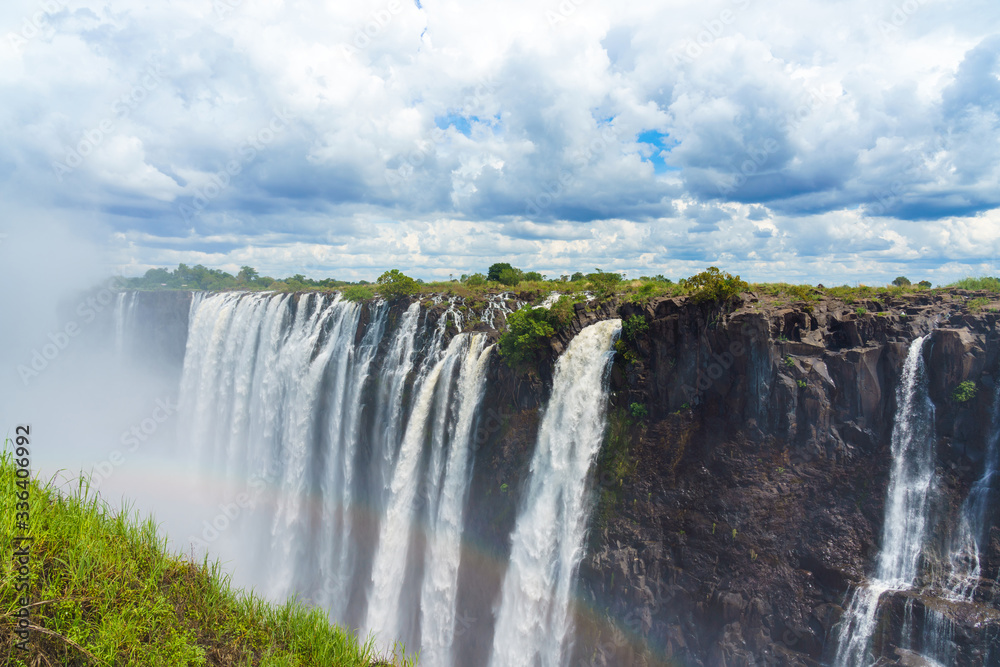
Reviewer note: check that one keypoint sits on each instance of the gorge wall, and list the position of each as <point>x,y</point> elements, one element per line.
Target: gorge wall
<point>739,496</point>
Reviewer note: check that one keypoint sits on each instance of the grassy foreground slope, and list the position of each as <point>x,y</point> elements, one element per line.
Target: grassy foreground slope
<point>105,591</point>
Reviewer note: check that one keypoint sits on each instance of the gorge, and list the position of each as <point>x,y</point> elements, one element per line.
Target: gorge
<point>760,483</point>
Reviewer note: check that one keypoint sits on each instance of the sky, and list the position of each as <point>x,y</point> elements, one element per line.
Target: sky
<point>833,141</point>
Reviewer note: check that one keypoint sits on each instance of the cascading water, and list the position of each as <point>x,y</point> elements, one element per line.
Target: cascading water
<point>964,559</point>
<point>124,316</point>
<point>284,398</point>
<point>906,508</point>
<point>533,622</point>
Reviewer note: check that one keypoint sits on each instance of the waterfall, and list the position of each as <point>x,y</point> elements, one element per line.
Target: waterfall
<point>447,512</point>
<point>124,317</point>
<point>964,559</point>
<point>319,412</point>
<point>904,526</point>
<point>533,621</point>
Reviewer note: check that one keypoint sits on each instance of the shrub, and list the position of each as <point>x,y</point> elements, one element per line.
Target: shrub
<point>475,280</point>
<point>534,276</point>
<point>925,284</point>
<point>604,283</point>
<point>357,293</point>
<point>577,276</point>
<point>528,330</point>
<point>638,411</point>
<point>561,312</point>
<point>964,392</point>
<point>714,285</point>
<point>634,326</point>
<point>901,281</point>
<point>395,283</point>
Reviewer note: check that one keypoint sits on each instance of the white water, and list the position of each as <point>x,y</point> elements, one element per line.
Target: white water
<point>964,559</point>
<point>533,622</point>
<point>905,522</point>
<point>124,317</point>
<point>282,396</point>
<point>447,512</point>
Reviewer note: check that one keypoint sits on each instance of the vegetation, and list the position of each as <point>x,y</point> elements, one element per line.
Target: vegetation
<point>634,326</point>
<point>105,591</point>
<point>716,286</point>
<point>976,284</point>
<point>964,392</point>
<point>901,281</point>
<point>393,284</point>
<point>528,331</point>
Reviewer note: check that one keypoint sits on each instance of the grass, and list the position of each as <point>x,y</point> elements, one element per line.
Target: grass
<point>976,284</point>
<point>106,591</point>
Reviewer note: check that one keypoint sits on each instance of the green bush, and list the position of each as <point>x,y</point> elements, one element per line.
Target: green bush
<point>395,283</point>
<point>528,331</point>
<point>716,286</point>
<point>901,281</point>
<point>534,276</point>
<point>475,280</point>
<point>604,283</point>
<point>561,312</point>
<point>638,410</point>
<point>577,276</point>
<point>634,326</point>
<point>964,392</point>
<point>358,293</point>
<point>926,284</point>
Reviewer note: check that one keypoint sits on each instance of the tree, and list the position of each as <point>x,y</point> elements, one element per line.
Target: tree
<point>901,281</point>
<point>247,275</point>
<point>577,276</point>
<point>510,277</point>
<point>496,269</point>
<point>395,283</point>
<point>925,283</point>
<point>533,276</point>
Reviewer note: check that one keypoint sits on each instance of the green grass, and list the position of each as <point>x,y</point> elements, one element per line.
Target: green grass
<point>976,284</point>
<point>106,591</point>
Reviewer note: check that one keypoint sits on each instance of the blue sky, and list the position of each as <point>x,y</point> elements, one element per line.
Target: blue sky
<point>816,140</point>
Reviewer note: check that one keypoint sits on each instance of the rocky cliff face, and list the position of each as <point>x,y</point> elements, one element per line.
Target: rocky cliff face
<point>754,498</point>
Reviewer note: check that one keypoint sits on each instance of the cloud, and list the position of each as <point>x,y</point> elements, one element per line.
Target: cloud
<point>438,138</point>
